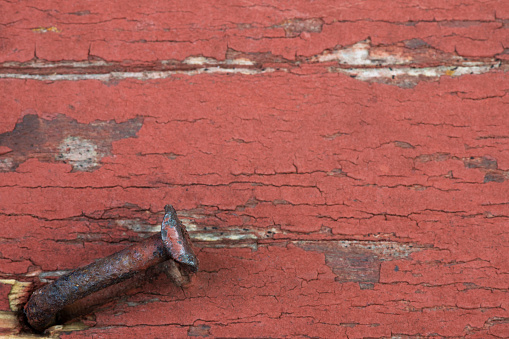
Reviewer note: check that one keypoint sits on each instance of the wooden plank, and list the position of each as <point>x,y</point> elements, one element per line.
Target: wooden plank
<point>342,168</point>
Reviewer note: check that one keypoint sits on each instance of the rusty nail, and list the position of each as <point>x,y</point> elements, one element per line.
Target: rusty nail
<point>173,243</point>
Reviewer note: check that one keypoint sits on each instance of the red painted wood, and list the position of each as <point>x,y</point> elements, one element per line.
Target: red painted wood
<point>177,29</point>
<point>321,205</point>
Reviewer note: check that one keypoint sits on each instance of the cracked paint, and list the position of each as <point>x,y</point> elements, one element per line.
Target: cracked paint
<point>403,64</point>
<point>342,169</point>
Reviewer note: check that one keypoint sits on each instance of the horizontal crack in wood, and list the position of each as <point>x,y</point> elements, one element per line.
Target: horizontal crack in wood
<point>403,64</point>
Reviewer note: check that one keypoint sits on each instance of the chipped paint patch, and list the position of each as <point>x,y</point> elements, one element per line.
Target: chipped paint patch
<point>57,330</point>
<point>214,234</point>
<point>205,234</point>
<point>136,75</point>
<point>8,319</point>
<point>408,77</point>
<point>496,176</point>
<point>240,62</point>
<point>6,165</point>
<point>391,64</point>
<point>10,327</point>
<point>357,54</point>
<point>35,64</point>
<point>359,261</point>
<point>295,27</point>
<point>139,226</point>
<point>9,324</point>
<point>51,29</point>
<point>19,293</point>
<point>405,77</point>
<point>80,153</point>
<point>199,331</point>
<point>63,139</point>
<point>363,53</point>
<point>489,166</point>
<point>486,162</point>
<point>199,61</point>
<point>49,276</point>
<point>403,64</point>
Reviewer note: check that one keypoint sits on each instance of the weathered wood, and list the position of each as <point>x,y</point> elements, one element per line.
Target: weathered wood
<point>342,167</point>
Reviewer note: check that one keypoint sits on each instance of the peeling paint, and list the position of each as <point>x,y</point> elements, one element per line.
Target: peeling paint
<point>409,77</point>
<point>137,75</point>
<point>57,330</point>
<point>486,162</point>
<point>51,29</point>
<point>62,139</point>
<point>364,53</point>
<point>9,324</point>
<point>208,234</point>
<point>10,328</point>
<point>200,61</point>
<point>406,77</point>
<point>6,164</point>
<point>213,234</point>
<point>199,331</point>
<point>18,294</point>
<point>295,27</point>
<point>35,64</point>
<point>355,55</point>
<point>140,226</point>
<point>496,176</point>
<point>49,276</point>
<point>403,64</point>
<point>359,261</point>
<point>81,153</point>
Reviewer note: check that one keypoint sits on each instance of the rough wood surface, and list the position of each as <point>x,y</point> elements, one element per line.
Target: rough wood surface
<point>342,167</point>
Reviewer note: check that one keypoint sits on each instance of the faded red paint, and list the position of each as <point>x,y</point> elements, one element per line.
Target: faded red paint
<point>321,204</point>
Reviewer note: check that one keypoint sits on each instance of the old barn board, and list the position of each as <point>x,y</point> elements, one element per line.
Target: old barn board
<point>342,166</point>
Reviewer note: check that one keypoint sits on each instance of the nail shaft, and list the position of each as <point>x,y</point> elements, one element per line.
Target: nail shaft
<point>46,302</point>
<point>42,310</point>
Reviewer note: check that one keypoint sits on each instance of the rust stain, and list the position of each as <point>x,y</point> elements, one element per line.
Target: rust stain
<point>359,261</point>
<point>63,139</point>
